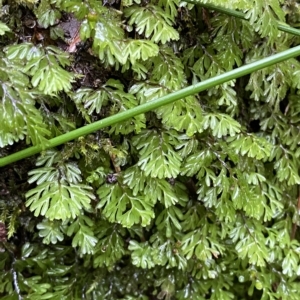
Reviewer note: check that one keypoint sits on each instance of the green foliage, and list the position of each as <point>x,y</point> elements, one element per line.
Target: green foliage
<point>157,157</point>
<point>111,95</point>
<point>263,16</point>
<point>50,231</point>
<point>111,246</point>
<point>84,237</point>
<point>3,28</point>
<point>152,21</point>
<point>58,194</point>
<point>47,14</point>
<point>221,125</point>
<point>120,206</point>
<point>252,145</point>
<point>198,199</point>
<point>18,113</point>
<point>45,67</point>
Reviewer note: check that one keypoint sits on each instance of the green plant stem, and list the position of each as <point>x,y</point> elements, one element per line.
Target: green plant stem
<point>238,14</point>
<point>181,94</point>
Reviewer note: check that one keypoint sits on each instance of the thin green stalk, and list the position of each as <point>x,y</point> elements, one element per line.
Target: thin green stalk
<point>238,14</point>
<point>181,94</point>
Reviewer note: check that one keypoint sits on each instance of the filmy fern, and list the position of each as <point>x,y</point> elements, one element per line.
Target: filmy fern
<point>198,199</point>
